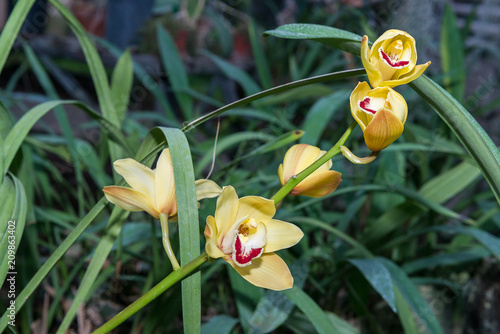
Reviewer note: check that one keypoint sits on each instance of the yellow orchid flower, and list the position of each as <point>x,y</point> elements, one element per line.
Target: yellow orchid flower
<point>381,114</point>
<point>152,191</point>
<point>319,183</point>
<point>392,59</point>
<point>244,234</point>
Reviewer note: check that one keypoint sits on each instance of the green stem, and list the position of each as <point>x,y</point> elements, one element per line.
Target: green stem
<point>156,291</point>
<point>275,90</point>
<point>294,180</point>
<point>166,241</point>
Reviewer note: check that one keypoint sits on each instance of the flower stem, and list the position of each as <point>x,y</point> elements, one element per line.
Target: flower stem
<point>296,179</point>
<point>156,291</point>
<point>166,241</point>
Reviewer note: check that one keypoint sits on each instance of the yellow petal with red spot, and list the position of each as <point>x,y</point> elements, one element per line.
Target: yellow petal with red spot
<point>392,59</point>
<point>269,272</point>
<point>130,199</point>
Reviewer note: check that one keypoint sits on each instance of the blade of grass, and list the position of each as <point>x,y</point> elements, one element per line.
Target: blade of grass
<point>121,84</point>
<point>12,27</point>
<point>147,81</point>
<point>13,221</point>
<point>20,130</point>
<point>258,53</point>
<point>452,55</point>
<point>189,227</point>
<point>175,70</point>
<point>466,128</point>
<point>412,297</point>
<point>98,74</point>
<point>379,278</point>
<point>315,314</point>
<point>101,253</point>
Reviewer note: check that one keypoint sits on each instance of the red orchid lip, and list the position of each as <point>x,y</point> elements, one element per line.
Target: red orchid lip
<point>244,257</point>
<point>395,64</point>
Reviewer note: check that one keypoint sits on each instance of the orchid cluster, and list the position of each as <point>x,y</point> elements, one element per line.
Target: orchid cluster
<point>243,231</point>
<point>381,111</point>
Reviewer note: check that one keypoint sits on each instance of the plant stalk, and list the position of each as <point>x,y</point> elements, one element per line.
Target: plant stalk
<point>166,241</point>
<point>156,291</point>
<point>295,180</point>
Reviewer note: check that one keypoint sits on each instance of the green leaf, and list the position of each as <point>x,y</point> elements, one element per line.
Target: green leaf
<point>338,38</point>
<point>121,84</point>
<point>98,73</point>
<point>147,81</point>
<point>176,71</point>
<point>258,53</point>
<point>405,315</point>
<point>320,114</point>
<point>274,307</point>
<point>477,142</point>
<point>412,297</point>
<point>343,326</point>
<point>35,281</point>
<point>452,55</point>
<point>21,129</point>
<point>308,306</point>
<point>113,230</point>
<point>249,85</point>
<point>451,259</point>
<point>189,230</point>
<point>12,27</point>
<point>448,184</point>
<point>13,220</point>
<point>220,324</point>
<point>379,278</point>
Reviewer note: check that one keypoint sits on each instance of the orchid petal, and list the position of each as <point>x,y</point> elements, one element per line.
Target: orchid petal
<point>130,199</point>
<point>269,272</point>
<point>165,198</point>
<point>138,176</point>
<point>225,213</point>
<point>211,235</point>
<point>281,235</point>
<point>256,207</point>
<point>207,189</point>
<point>383,130</point>
<point>318,184</point>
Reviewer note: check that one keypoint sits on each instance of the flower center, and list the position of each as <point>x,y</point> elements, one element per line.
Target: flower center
<point>392,55</point>
<point>372,105</point>
<point>250,239</point>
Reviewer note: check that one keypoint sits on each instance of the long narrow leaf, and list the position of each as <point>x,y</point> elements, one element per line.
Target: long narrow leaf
<point>12,27</point>
<point>189,228</point>
<point>176,71</point>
